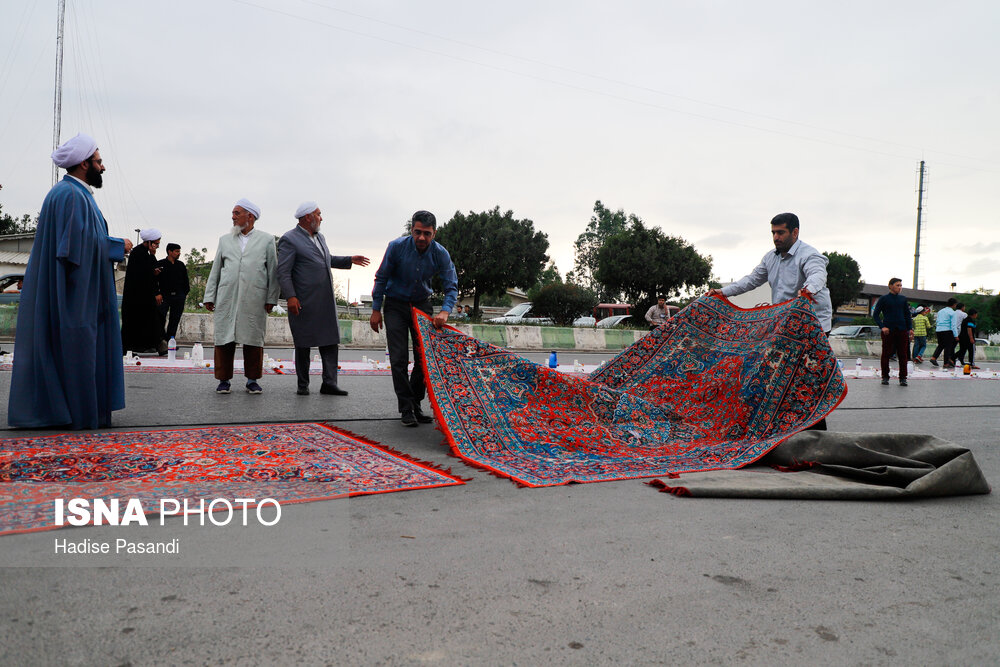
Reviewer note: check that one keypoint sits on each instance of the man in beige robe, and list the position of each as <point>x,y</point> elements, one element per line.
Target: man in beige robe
<point>242,289</point>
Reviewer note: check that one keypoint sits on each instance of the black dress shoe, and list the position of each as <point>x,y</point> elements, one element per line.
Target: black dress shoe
<point>408,419</point>
<point>303,391</point>
<point>332,390</point>
<point>421,417</point>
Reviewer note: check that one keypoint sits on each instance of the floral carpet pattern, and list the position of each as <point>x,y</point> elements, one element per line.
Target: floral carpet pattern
<point>287,462</point>
<point>716,387</point>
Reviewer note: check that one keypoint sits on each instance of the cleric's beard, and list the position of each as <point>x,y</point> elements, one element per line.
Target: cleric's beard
<point>93,177</point>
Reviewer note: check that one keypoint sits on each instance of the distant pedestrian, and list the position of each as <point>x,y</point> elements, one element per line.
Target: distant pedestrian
<point>956,324</point>
<point>892,314</point>
<point>174,286</point>
<point>945,337</point>
<point>142,324</point>
<point>920,326</point>
<point>967,339</point>
<point>657,313</point>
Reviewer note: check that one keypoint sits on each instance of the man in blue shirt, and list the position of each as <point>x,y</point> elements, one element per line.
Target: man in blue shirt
<point>892,314</point>
<point>402,282</point>
<point>945,336</point>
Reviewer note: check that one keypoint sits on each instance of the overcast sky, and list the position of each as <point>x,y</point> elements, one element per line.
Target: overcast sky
<point>703,118</point>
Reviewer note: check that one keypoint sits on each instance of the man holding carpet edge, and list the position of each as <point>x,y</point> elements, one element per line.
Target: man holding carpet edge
<point>402,282</point>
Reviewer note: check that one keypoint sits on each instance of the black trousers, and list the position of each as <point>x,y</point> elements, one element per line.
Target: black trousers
<point>175,306</point>
<point>965,346</point>
<point>399,331</point>
<point>946,344</point>
<point>330,354</point>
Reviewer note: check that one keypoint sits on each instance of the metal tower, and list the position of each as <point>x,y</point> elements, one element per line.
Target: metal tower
<point>920,209</point>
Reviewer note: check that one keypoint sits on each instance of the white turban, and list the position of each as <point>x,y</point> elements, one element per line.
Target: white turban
<point>305,208</point>
<point>74,151</point>
<point>151,234</point>
<point>250,206</point>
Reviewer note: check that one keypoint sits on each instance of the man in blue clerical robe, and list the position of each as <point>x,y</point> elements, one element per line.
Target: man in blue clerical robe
<point>68,351</point>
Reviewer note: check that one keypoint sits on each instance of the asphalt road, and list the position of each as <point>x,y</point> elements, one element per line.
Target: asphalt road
<point>489,573</point>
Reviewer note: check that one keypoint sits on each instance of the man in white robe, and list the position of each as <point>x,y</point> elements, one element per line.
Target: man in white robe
<point>242,289</point>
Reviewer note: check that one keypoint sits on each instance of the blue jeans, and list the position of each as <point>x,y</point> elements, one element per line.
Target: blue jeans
<point>919,345</point>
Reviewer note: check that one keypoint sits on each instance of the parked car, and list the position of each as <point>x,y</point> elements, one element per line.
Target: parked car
<point>981,341</point>
<point>9,282</point>
<point>613,321</point>
<point>585,321</point>
<point>857,331</point>
<point>519,314</point>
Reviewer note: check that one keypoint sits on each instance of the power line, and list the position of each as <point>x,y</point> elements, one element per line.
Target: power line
<point>593,91</point>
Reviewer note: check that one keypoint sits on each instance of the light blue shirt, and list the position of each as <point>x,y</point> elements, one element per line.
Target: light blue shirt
<point>802,266</point>
<point>942,322</point>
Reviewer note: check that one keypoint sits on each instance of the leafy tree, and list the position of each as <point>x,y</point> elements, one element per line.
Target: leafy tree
<point>198,268</point>
<point>493,251</point>
<point>843,278</point>
<point>603,225</point>
<point>642,262</point>
<point>11,225</point>
<point>988,307</point>
<point>563,302</point>
<point>496,300</point>
<point>549,276</point>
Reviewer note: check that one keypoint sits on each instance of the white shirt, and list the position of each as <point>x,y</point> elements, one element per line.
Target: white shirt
<point>956,321</point>
<point>802,266</point>
<point>83,182</point>
<point>244,238</point>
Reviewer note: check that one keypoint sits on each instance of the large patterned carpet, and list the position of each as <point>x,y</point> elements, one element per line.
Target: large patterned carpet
<point>715,388</point>
<point>287,462</point>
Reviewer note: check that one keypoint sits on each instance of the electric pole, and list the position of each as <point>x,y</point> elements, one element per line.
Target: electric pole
<point>920,209</point>
<point>57,104</point>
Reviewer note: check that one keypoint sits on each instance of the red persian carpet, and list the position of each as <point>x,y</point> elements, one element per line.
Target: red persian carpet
<point>716,387</point>
<point>290,463</point>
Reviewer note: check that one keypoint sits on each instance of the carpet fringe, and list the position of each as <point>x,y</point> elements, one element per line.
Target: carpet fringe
<point>395,452</point>
<point>680,491</point>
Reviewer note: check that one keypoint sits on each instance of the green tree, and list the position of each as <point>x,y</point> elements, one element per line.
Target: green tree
<point>604,224</point>
<point>549,276</point>
<point>198,268</point>
<point>843,278</point>
<point>989,309</point>
<point>642,262</point>
<point>11,225</point>
<point>493,251</point>
<point>563,302</point>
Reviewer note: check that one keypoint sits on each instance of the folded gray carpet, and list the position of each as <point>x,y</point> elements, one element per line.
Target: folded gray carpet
<point>843,466</point>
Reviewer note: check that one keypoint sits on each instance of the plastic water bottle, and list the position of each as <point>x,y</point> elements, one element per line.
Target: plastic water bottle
<point>553,360</point>
<point>172,349</point>
<point>387,356</point>
<point>857,366</point>
<point>197,353</point>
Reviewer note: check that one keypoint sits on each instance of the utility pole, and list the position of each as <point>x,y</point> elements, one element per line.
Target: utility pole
<point>920,209</point>
<point>57,104</point>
